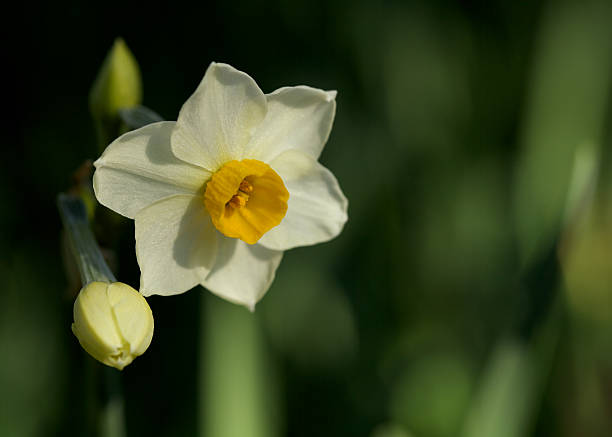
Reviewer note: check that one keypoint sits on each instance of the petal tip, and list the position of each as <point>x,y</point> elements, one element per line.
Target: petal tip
<point>222,65</point>
<point>331,95</point>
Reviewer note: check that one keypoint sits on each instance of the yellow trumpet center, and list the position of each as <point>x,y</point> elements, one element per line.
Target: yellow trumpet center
<point>245,199</point>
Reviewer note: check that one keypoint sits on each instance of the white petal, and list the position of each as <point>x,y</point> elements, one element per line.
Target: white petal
<point>316,208</point>
<point>176,245</point>
<point>138,168</point>
<point>217,121</point>
<point>298,118</point>
<point>243,273</point>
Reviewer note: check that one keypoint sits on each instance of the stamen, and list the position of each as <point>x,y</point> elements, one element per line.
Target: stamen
<point>242,196</point>
<point>238,201</point>
<point>246,187</point>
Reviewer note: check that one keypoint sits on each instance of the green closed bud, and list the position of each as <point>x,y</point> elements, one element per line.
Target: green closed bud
<point>117,86</point>
<point>113,323</point>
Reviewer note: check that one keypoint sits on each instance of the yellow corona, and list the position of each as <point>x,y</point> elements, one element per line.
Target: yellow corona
<point>245,199</point>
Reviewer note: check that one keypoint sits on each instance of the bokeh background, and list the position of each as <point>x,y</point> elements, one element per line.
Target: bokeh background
<point>470,293</point>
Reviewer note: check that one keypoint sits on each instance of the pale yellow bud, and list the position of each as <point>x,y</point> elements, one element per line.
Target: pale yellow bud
<point>113,323</point>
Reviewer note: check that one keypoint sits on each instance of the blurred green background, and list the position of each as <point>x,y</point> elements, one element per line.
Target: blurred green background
<point>470,293</point>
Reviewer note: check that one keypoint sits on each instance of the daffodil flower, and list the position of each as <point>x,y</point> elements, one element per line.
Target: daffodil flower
<point>218,195</point>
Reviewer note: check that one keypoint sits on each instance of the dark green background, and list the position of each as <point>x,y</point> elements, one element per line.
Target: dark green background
<point>441,309</point>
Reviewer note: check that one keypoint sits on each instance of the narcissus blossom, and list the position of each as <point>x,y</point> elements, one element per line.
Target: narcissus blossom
<point>218,195</point>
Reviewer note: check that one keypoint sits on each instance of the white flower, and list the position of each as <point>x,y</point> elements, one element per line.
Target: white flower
<point>218,195</point>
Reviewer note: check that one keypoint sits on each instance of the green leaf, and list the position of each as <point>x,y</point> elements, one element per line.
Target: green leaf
<point>566,108</point>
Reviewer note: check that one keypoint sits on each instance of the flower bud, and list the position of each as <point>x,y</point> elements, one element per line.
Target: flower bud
<point>113,323</point>
<point>118,84</point>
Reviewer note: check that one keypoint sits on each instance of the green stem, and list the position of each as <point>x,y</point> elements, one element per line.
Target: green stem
<point>113,415</point>
<point>237,388</point>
